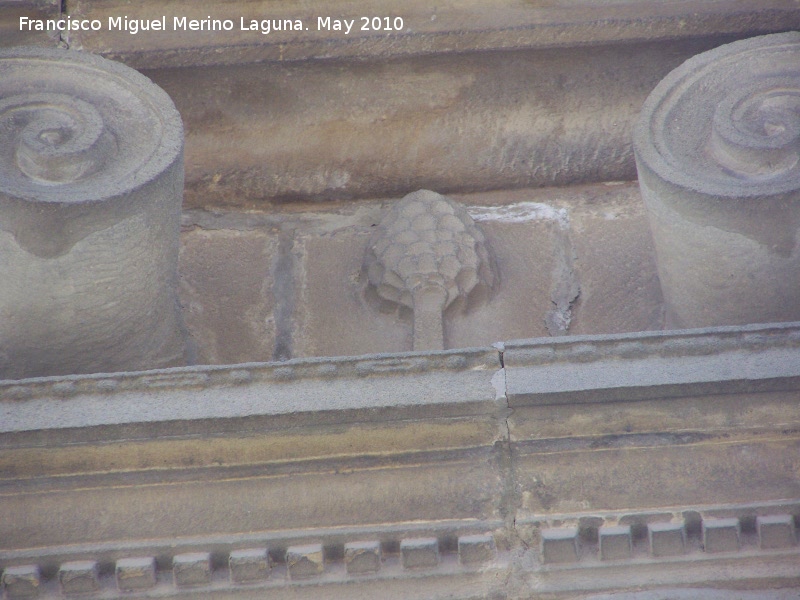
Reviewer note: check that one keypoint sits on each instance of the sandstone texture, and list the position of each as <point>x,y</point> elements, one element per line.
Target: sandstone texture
<point>263,286</point>
<point>91,179</point>
<point>719,169</point>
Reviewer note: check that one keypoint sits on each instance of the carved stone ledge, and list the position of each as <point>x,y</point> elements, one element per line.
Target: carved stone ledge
<point>423,449</point>
<point>718,154</point>
<point>634,537</point>
<point>652,364</point>
<point>91,182</point>
<point>455,28</point>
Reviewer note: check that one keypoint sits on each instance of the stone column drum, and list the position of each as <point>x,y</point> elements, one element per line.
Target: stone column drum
<point>718,153</point>
<point>91,182</point>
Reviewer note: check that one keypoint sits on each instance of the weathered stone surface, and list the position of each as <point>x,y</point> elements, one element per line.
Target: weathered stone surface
<point>558,476</point>
<point>23,581</point>
<point>304,562</point>
<point>526,235</point>
<point>249,566</point>
<point>11,34</point>
<point>332,282</point>
<point>362,557</point>
<point>614,263</point>
<point>698,594</point>
<point>91,175</point>
<point>426,28</point>
<point>192,568</point>
<point>667,539</point>
<point>615,542</point>
<point>78,577</point>
<point>651,364</point>
<point>425,254</point>
<point>476,549</point>
<point>426,449</point>
<point>227,292</point>
<point>559,545</point>
<point>419,553</point>
<point>721,535</point>
<point>776,531</point>
<point>260,134</point>
<point>136,573</point>
<point>719,169</point>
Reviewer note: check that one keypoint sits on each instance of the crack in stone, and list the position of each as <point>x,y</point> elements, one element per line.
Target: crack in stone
<point>566,287</point>
<point>513,575</point>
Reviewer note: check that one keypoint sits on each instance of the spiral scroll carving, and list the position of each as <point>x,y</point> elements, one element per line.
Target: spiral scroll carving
<point>718,153</point>
<point>78,128</point>
<point>756,133</point>
<point>727,122</point>
<point>91,180</point>
<point>60,139</point>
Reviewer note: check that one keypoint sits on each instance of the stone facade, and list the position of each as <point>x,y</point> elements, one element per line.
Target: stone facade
<point>492,472</point>
<point>627,465</point>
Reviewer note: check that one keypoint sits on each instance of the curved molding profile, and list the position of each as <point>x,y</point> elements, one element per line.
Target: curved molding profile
<point>718,154</point>
<point>91,184</point>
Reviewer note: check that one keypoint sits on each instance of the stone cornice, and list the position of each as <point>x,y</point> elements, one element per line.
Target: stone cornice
<point>428,384</point>
<point>638,366</point>
<point>626,367</point>
<point>685,470</point>
<point>461,26</point>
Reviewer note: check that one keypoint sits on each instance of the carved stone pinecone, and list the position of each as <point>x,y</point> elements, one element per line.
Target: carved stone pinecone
<point>427,239</point>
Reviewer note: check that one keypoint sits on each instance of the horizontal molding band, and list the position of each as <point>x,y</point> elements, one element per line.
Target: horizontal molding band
<point>459,27</point>
<point>608,368</point>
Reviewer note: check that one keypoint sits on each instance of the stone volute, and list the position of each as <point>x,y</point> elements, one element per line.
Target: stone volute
<point>91,182</point>
<point>425,253</point>
<point>718,153</point>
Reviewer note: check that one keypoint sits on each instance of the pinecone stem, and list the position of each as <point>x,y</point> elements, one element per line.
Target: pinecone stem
<point>429,303</point>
